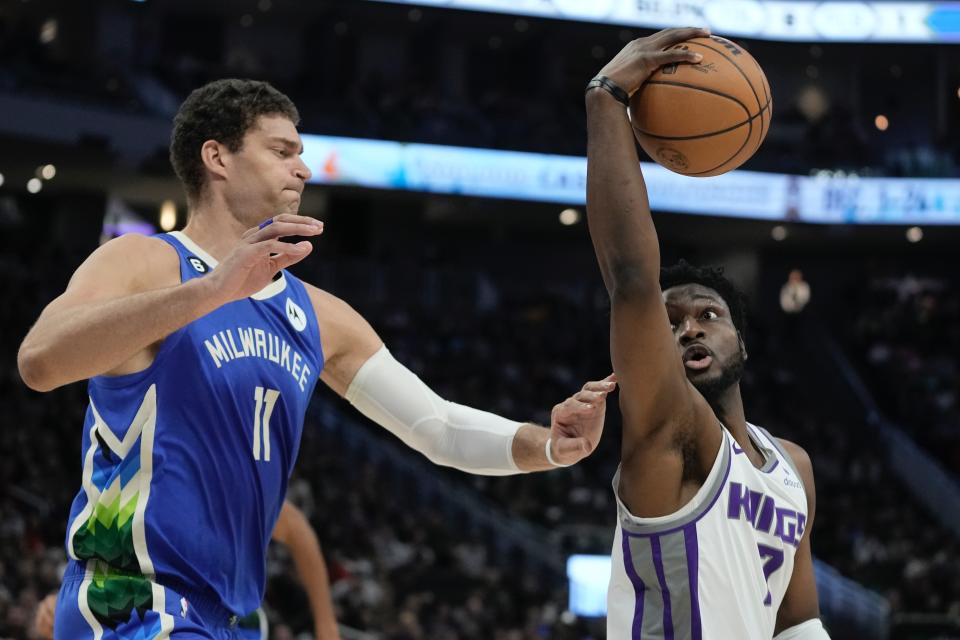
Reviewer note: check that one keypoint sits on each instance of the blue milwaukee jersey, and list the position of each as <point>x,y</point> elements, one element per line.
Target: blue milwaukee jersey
<point>185,464</point>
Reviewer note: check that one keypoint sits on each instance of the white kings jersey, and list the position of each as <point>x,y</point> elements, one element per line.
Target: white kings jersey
<point>718,568</point>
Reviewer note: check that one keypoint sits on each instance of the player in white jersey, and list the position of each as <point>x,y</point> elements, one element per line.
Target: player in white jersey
<point>713,536</point>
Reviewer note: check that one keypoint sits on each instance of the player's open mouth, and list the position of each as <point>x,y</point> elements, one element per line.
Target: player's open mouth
<point>697,357</point>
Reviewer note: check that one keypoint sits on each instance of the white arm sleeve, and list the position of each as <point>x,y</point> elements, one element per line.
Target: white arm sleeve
<point>809,630</point>
<point>448,434</point>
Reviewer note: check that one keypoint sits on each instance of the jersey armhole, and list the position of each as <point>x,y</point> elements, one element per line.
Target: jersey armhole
<point>692,511</point>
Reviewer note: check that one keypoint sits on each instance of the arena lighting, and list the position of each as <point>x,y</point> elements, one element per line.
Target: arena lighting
<point>48,172</point>
<point>914,234</point>
<point>881,122</point>
<point>785,20</point>
<point>34,185</point>
<point>48,31</point>
<point>588,577</point>
<point>1,179</point>
<point>168,215</point>
<point>779,233</point>
<point>569,217</point>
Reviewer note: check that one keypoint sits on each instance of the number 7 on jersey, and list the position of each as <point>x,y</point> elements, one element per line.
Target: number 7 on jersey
<point>265,399</point>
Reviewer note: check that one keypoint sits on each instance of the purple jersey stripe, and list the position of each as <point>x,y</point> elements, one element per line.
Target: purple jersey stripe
<point>664,590</point>
<point>693,572</point>
<point>638,587</point>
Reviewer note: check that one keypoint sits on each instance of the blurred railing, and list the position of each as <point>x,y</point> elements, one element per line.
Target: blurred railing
<point>931,484</point>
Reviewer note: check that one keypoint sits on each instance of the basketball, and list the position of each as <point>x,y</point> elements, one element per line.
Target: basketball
<point>704,119</point>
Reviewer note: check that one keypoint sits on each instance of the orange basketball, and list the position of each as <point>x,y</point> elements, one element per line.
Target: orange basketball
<point>704,119</point>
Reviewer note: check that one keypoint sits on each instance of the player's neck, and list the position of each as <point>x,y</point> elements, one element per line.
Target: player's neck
<point>729,409</point>
<point>213,228</point>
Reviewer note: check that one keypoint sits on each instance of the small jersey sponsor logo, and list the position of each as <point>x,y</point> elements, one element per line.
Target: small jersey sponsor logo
<point>296,315</point>
<point>199,265</point>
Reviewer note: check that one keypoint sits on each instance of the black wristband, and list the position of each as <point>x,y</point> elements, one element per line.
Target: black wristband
<point>611,87</point>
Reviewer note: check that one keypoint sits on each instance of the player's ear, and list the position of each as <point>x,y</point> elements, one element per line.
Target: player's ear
<point>215,158</point>
<point>743,346</point>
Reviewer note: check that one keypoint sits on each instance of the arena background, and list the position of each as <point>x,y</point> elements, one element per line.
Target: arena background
<point>476,268</point>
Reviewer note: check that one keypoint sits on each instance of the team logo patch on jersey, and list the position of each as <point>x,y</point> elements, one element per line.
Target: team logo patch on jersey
<point>198,264</point>
<point>296,316</point>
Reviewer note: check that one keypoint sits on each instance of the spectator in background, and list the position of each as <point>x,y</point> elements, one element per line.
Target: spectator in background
<point>795,293</point>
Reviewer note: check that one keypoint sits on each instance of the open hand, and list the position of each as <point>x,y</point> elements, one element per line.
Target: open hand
<point>261,254</point>
<point>577,423</point>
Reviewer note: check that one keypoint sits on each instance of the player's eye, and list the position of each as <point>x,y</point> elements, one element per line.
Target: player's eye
<point>709,314</point>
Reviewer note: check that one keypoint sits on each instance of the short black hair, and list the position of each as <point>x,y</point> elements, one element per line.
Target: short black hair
<point>712,277</point>
<point>222,110</point>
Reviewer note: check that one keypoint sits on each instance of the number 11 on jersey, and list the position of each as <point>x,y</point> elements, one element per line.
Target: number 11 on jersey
<point>266,399</point>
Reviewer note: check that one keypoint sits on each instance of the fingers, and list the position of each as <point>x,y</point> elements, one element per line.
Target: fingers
<point>577,405</point>
<point>672,56</point>
<point>294,254</point>
<point>606,385</point>
<point>279,226</point>
<point>281,229</point>
<point>669,37</point>
<point>590,397</point>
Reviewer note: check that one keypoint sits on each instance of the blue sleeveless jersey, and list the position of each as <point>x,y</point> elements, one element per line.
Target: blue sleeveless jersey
<point>185,464</point>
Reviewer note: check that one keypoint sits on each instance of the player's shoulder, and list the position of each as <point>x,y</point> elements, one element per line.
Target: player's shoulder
<point>146,262</point>
<point>136,244</point>
<point>326,304</point>
<point>799,455</point>
<point>801,460</point>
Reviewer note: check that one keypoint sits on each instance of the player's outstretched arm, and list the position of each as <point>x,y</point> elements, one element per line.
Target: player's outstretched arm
<point>798,617</point>
<point>359,367</point>
<point>126,297</point>
<point>295,533</point>
<point>656,399</point>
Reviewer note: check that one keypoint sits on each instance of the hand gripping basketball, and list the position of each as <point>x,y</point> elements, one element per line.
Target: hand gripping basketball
<point>260,254</point>
<point>641,57</point>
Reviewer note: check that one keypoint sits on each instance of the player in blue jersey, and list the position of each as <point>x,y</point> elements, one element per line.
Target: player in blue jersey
<point>294,532</point>
<point>202,353</point>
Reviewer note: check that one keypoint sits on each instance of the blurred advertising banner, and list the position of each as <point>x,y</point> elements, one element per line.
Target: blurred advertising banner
<point>829,21</point>
<point>515,175</point>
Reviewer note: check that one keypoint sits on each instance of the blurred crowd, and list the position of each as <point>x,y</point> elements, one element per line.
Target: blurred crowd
<point>907,336</point>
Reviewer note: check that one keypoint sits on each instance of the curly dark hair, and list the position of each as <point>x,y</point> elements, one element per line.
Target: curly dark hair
<point>685,273</point>
<point>222,110</point>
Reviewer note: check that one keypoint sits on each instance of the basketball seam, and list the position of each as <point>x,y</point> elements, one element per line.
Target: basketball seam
<point>735,154</point>
<point>764,126</point>
<point>709,133</point>
<point>735,66</point>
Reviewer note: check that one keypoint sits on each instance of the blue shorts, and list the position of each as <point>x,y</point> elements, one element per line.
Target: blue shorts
<point>97,602</point>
